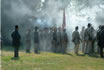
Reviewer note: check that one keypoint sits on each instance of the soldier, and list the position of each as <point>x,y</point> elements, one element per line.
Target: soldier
<point>93,39</point>
<point>47,45</point>
<point>59,39</point>
<point>50,32</point>
<point>98,32</point>
<point>28,41</point>
<point>83,39</point>
<point>36,41</point>
<point>76,39</point>
<point>89,39</point>
<point>51,38</point>
<point>100,38</point>
<point>64,41</point>
<point>54,41</point>
<point>16,41</point>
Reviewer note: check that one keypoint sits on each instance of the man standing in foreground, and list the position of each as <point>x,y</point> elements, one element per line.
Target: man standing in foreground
<point>16,41</point>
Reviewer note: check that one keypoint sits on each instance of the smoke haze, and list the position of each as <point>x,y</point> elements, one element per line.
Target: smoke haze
<point>30,13</point>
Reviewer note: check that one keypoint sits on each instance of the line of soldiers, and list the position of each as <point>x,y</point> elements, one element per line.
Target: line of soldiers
<point>48,40</point>
<point>59,41</point>
<point>56,39</point>
<point>88,37</point>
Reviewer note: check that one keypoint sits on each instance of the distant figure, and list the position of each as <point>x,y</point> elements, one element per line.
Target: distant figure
<point>100,37</point>
<point>50,38</point>
<point>54,41</point>
<point>46,39</point>
<point>64,41</point>
<point>36,40</point>
<point>28,41</point>
<point>82,34</point>
<point>88,39</point>
<point>16,41</point>
<point>59,39</point>
<point>76,39</point>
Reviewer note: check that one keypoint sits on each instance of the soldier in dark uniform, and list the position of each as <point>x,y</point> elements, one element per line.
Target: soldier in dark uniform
<point>16,41</point>
<point>54,41</point>
<point>100,38</point>
<point>36,41</point>
<point>59,39</point>
<point>64,41</point>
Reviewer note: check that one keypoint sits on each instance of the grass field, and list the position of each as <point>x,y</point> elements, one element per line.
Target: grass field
<point>50,61</point>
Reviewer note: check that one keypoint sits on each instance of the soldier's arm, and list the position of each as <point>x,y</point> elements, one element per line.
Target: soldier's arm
<point>12,34</point>
<point>79,36</point>
<point>67,37</point>
<point>72,36</point>
<point>19,36</point>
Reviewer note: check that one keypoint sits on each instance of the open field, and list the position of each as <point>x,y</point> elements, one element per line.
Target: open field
<point>50,61</point>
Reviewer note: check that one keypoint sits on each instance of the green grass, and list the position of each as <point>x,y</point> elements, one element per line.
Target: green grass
<point>50,61</point>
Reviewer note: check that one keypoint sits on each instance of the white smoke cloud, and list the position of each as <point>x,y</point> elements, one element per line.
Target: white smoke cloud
<point>78,13</point>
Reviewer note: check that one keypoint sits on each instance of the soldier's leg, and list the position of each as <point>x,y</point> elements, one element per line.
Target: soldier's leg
<point>74,48</point>
<point>90,47</point>
<point>58,48</point>
<point>101,52</point>
<point>65,47</point>
<point>52,47</point>
<point>93,43</point>
<point>98,49</point>
<point>55,47</point>
<point>36,48</point>
<point>87,47</point>
<point>77,48</point>
<point>27,48</point>
<point>83,47</point>
<point>16,51</point>
<point>61,48</point>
